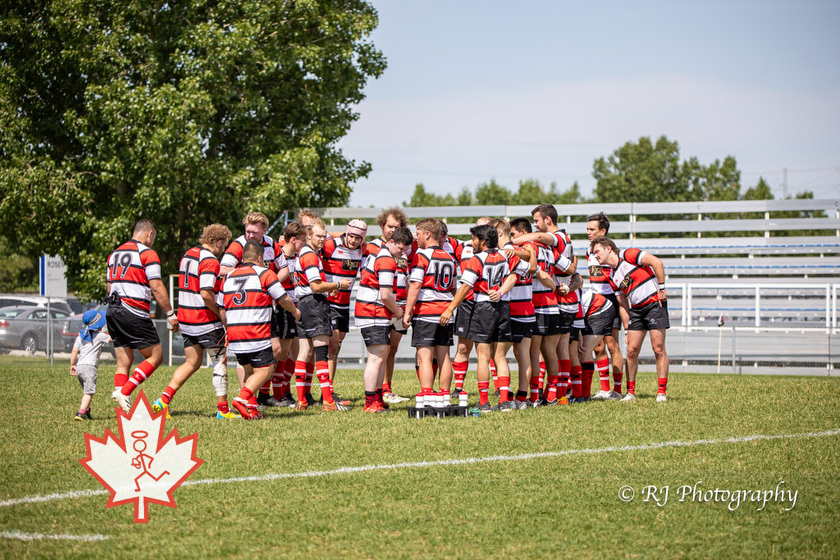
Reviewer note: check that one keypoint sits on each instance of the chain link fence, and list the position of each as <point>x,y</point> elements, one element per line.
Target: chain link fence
<point>727,349</point>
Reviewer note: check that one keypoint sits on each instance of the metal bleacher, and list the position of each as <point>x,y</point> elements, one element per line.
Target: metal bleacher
<point>770,269</point>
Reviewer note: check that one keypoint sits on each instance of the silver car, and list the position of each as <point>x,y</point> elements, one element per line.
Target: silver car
<point>25,328</point>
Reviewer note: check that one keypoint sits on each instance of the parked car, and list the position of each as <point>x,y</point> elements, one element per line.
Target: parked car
<point>24,300</point>
<point>71,327</point>
<point>25,328</point>
<point>73,324</point>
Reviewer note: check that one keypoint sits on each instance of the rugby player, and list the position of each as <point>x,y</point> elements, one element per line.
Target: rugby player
<point>256,225</point>
<point>376,306</point>
<point>598,225</point>
<point>389,220</point>
<point>249,292</point>
<point>430,289</point>
<point>133,278</point>
<point>639,279</point>
<point>314,327</point>
<point>341,257</point>
<point>488,275</point>
<point>199,284</point>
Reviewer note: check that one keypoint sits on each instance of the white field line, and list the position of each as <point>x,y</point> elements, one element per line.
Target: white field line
<point>446,462</point>
<point>40,536</point>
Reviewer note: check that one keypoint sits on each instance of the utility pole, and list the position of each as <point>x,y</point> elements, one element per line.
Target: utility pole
<point>784,183</point>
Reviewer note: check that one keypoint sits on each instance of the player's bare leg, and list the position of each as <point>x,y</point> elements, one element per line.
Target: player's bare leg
<point>389,395</point>
<point>374,375</point>
<point>334,347</point>
<point>125,358</point>
<point>657,343</point>
<point>634,345</point>
<point>246,402</point>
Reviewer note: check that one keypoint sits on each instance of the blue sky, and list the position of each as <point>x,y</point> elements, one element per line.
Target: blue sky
<point>528,89</point>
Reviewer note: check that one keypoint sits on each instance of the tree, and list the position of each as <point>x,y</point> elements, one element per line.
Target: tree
<point>492,194</point>
<point>761,191</point>
<point>643,172</point>
<point>571,196</point>
<point>183,112</point>
<point>718,181</point>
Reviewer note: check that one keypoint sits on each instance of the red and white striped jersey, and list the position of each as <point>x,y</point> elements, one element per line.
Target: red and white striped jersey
<point>308,268</point>
<point>340,262</point>
<point>592,303</point>
<point>199,270</point>
<point>249,292</point>
<point>521,295</point>
<point>599,275</point>
<point>452,246</point>
<point>434,269</point>
<point>487,271</point>
<point>289,281</point>
<point>545,299</point>
<point>130,267</point>
<point>570,302</point>
<point>635,280</point>
<point>273,256</point>
<point>379,271</point>
<point>372,248</point>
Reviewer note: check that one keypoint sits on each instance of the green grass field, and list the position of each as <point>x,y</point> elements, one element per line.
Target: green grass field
<point>565,503</point>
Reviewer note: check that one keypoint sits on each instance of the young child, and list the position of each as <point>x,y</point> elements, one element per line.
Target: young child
<point>84,358</point>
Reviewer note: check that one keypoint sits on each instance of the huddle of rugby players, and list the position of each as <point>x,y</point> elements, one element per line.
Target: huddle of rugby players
<point>283,308</point>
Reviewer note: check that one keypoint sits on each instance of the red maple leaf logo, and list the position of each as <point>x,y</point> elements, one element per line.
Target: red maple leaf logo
<point>144,466</point>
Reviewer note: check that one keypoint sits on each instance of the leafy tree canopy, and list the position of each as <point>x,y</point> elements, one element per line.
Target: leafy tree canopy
<point>186,112</point>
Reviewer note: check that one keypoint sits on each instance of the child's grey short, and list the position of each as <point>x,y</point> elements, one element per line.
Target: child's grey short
<point>87,378</point>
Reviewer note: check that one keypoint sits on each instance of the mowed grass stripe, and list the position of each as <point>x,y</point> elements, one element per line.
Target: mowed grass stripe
<point>447,462</point>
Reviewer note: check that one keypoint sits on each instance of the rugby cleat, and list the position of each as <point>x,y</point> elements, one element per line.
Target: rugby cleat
<point>229,415</point>
<point>660,397</point>
<point>302,406</point>
<point>87,414</point>
<point>341,401</point>
<point>375,408</point>
<point>506,406</point>
<point>601,395</point>
<point>287,402</point>
<point>79,417</point>
<point>123,401</point>
<point>614,396</point>
<point>333,406</point>
<point>629,397</point>
<point>520,405</point>
<point>241,405</point>
<point>562,401</point>
<point>485,407</point>
<point>393,398</point>
<point>255,413</point>
<point>158,405</point>
<point>310,400</point>
<point>263,399</point>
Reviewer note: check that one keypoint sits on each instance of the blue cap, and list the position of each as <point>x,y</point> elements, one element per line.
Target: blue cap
<point>93,320</point>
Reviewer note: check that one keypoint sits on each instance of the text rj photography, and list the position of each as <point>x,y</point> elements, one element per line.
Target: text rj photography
<point>697,493</point>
